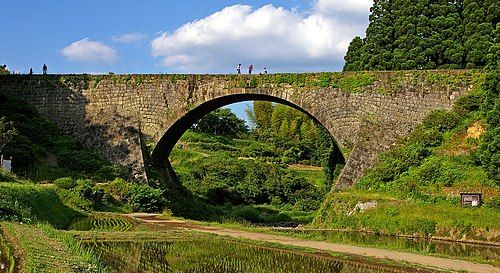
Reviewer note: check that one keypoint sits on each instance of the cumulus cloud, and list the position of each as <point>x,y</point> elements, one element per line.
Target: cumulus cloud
<point>130,37</point>
<point>273,37</point>
<point>89,51</point>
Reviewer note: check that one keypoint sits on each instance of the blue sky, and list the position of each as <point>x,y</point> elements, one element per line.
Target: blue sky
<point>191,36</point>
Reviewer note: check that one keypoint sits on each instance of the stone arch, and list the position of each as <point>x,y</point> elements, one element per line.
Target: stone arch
<point>173,133</point>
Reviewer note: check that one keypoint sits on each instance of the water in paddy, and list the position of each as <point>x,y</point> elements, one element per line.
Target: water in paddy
<point>222,255</point>
<point>451,249</point>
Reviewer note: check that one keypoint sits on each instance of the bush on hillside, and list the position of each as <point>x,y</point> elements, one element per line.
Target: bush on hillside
<point>66,183</point>
<point>468,104</point>
<point>31,203</point>
<point>493,203</point>
<point>89,191</point>
<point>145,199</point>
<point>489,154</point>
<point>441,120</point>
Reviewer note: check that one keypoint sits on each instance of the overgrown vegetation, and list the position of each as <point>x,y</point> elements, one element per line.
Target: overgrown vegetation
<point>406,35</point>
<point>415,186</point>
<point>236,180</point>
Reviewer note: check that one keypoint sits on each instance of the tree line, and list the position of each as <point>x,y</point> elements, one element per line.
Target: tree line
<point>426,34</point>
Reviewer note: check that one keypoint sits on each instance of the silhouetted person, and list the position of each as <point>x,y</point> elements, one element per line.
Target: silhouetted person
<point>250,68</point>
<point>44,69</point>
<point>31,71</point>
<point>265,70</point>
<point>238,68</point>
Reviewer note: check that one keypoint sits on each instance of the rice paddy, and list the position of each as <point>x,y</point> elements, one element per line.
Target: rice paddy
<point>207,253</point>
<point>102,224</point>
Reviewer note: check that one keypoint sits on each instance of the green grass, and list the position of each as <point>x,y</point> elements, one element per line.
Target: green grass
<point>48,250</point>
<point>452,250</point>
<point>7,255</point>
<point>33,203</point>
<point>316,177</point>
<point>396,216</point>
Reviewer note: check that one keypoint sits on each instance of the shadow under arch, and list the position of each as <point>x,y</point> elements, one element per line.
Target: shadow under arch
<point>160,154</point>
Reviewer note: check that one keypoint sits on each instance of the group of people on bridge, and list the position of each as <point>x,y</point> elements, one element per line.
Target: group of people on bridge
<point>44,70</point>
<point>250,69</point>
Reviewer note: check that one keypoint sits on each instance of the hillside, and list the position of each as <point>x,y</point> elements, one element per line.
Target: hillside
<point>246,179</point>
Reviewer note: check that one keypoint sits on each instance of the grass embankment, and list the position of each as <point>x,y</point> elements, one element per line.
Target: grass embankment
<point>44,249</point>
<point>415,187</point>
<point>31,203</point>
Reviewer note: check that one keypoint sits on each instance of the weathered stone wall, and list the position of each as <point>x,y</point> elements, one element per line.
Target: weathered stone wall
<point>365,112</point>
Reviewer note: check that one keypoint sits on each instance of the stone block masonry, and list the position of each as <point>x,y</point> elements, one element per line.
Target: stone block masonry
<point>366,112</point>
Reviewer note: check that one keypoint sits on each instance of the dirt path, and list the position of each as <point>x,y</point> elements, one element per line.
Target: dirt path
<point>433,262</point>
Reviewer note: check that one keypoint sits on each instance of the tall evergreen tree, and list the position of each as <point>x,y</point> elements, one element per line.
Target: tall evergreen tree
<point>425,34</point>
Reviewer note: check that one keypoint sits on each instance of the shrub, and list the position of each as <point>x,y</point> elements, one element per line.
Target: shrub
<point>493,203</point>
<point>119,188</point>
<point>145,199</point>
<point>441,120</point>
<point>88,190</point>
<point>247,213</point>
<point>470,103</point>
<point>110,172</point>
<point>66,183</point>
<point>489,153</point>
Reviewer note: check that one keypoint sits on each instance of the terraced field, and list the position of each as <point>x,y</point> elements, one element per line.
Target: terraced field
<point>103,224</point>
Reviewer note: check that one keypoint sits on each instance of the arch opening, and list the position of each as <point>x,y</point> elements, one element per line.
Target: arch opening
<point>199,177</point>
<point>166,143</point>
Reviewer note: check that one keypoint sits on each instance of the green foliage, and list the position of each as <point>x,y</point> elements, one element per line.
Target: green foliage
<point>7,133</point>
<point>89,191</point>
<point>145,199</point>
<point>31,203</point>
<point>221,122</point>
<point>35,138</point>
<point>489,153</point>
<point>493,203</point>
<point>406,35</point>
<point>441,120</point>
<point>141,198</point>
<point>353,83</point>
<point>489,149</point>
<point>66,183</point>
<point>295,137</point>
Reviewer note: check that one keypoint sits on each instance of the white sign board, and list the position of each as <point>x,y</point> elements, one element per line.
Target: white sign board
<point>7,165</point>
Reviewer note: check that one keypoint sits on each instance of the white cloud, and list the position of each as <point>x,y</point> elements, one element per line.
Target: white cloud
<point>130,37</point>
<point>273,37</point>
<point>89,51</point>
<point>349,6</point>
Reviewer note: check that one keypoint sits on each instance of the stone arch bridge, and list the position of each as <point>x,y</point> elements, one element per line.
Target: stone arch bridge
<point>117,115</point>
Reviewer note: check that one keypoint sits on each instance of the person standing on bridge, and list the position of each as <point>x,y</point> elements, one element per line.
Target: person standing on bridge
<point>250,68</point>
<point>44,68</point>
